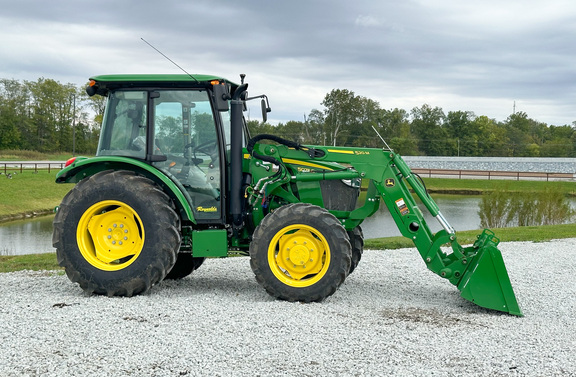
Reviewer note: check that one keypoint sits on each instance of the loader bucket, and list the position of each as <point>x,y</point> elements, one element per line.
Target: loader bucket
<point>486,282</point>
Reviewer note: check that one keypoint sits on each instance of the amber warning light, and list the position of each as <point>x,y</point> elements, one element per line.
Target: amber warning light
<point>91,88</point>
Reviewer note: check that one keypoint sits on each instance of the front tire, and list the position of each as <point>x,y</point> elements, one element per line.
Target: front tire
<point>300,252</point>
<point>116,233</point>
<point>357,241</point>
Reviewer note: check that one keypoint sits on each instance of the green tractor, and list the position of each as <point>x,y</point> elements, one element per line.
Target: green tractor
<point>177,179</point>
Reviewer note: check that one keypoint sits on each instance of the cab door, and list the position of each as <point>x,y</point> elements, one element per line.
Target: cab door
<point>186,132</point>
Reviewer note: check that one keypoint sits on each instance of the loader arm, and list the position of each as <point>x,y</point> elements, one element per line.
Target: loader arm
<point>478,270</point>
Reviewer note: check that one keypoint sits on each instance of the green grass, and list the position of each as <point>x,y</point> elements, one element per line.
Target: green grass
<point>30,192</point>
<point>522,233</point>
<point>478,186</point>
<point>35,262</point>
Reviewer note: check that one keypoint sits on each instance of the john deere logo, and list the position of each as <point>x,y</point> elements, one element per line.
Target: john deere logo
<point>390,182</point>
<point>206,209</point>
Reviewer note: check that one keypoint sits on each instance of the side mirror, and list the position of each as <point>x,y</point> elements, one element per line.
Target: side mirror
<point>221,96</point>
<point>264,105</point>
<point>265,110</point>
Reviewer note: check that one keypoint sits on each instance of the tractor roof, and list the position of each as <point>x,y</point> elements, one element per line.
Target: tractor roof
<point>158,80</point>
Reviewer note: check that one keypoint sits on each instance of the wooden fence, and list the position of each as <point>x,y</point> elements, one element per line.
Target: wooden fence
<point>7,167</point>
<point>486,174</point>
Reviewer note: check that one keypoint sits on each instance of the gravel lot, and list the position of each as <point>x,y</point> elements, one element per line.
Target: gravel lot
<point>391,317</point>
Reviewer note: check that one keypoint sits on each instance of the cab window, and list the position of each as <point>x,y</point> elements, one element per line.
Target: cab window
<point>124,129</point>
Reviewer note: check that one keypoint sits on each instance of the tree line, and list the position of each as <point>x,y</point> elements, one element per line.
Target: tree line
<point>348,119</point>
<point>47,116</point>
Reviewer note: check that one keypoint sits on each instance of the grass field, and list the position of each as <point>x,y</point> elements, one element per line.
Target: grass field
<point>30,192</point>
<point>521,233</point>
<point>478,186</point>
<point>34,262</point>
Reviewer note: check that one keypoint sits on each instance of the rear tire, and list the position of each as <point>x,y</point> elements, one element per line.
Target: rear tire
<point>300,252</point>
<point>116,233</point>
<point>184,266</point>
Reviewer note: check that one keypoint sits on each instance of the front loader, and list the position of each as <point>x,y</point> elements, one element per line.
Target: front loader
<point>177,179</point>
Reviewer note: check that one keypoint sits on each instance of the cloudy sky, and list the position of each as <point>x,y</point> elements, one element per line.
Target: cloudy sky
<point>458,55</point>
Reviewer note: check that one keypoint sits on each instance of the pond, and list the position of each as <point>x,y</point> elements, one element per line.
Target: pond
<point>34,236</point>
<point>31,236</point>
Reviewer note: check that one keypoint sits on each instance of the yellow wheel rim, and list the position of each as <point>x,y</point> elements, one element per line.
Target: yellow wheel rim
<point>110,235</point>
<point>299,255</point>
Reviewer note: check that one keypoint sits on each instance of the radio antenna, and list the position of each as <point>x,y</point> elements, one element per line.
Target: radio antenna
<point>381,138</point>
<point>170,60</point>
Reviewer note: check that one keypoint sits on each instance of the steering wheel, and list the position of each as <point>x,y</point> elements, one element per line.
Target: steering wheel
<point>209,148</point>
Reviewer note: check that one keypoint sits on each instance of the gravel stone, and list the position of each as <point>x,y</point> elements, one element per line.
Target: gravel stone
<point>391,317</point>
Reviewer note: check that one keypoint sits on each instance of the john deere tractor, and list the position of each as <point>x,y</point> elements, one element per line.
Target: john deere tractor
<point>177,178</point>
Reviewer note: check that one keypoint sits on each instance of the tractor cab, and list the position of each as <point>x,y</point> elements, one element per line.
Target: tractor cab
<point>183,130</point>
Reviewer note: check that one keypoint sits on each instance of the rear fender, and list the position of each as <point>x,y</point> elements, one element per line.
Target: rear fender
<point>84,167</point>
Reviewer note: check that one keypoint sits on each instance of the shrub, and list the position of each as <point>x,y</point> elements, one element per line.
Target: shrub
<point>500,209</point>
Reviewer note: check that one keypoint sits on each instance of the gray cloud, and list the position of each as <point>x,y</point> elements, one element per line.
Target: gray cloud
<point>456,55</point>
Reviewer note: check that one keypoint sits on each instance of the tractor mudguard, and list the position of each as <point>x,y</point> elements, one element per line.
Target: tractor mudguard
<point>82,167</point>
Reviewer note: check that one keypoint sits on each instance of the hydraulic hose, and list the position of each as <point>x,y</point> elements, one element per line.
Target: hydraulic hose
<point>313,153</point>
<point>279,140</point>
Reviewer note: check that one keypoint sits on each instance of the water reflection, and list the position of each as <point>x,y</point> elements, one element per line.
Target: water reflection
<point>460,211</point>
<point>32,236</point>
